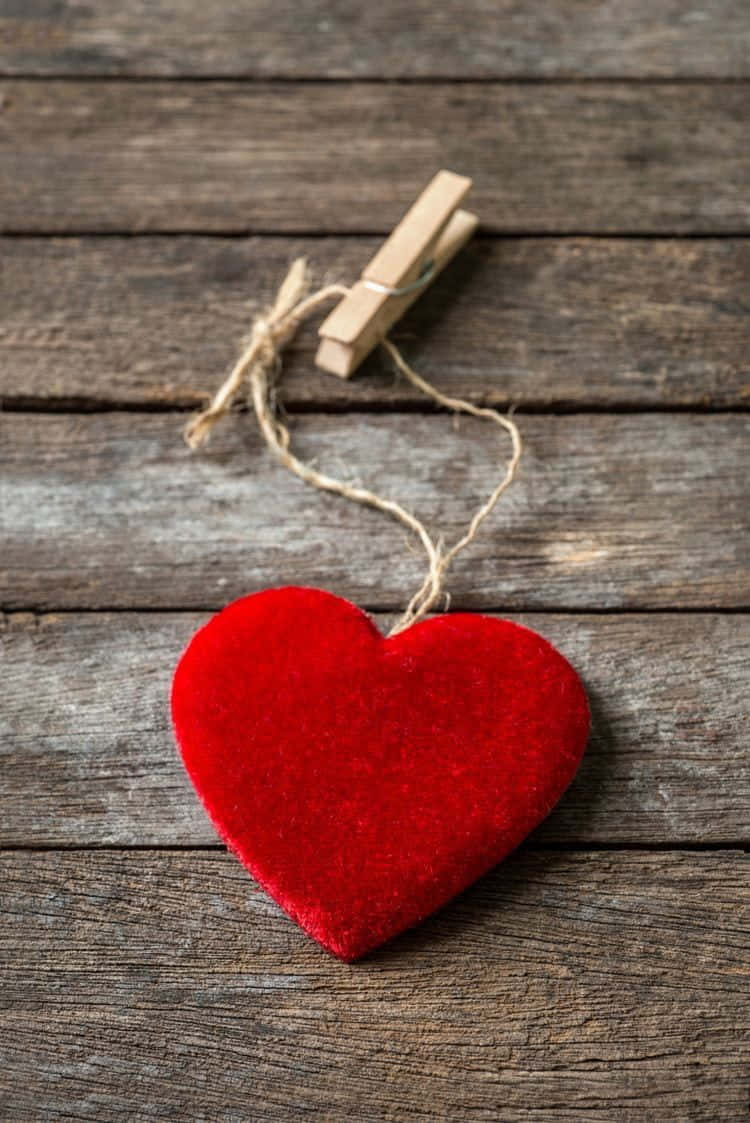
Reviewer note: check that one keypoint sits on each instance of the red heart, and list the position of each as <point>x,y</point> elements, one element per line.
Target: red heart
<point>364,781</point>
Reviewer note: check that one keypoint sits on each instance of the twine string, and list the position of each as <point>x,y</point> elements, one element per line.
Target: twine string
<point>259,365</point>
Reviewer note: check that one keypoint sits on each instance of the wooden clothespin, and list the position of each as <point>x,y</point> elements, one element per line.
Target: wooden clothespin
<point>429,235</point>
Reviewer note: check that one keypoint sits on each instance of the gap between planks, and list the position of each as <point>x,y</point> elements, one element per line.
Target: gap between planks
<point>39,613</point>
<point>507,234</point>
<point>734,846</point>
<point>280,79</point>
<point>312,409</point>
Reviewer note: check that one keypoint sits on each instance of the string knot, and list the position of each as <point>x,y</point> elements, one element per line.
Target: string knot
<point>260,330</point>
<point>262,342</point>
<point>270,332</point>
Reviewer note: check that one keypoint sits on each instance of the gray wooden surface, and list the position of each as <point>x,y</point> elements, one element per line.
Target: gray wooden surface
<point>101,770</point>
<point>264,157</point>
<point>540,323</point>
<point>160,165</point>
<point>561,986</point>
<point>608,511</point>
<point>319,39</point>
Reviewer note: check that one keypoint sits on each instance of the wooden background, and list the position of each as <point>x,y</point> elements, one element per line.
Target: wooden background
<point>161,162</point>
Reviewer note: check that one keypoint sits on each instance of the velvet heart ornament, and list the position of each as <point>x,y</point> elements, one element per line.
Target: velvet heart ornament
<point>365,781</point>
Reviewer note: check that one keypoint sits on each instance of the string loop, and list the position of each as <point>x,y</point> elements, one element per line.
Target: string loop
<point>259,363</point>
<point>425,276</point>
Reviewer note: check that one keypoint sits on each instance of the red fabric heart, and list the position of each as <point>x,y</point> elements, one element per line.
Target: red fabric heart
<point>364,781</point>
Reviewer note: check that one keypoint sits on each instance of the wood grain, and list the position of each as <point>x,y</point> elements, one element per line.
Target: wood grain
<point>264,157</point>
<point>458,38</point>
<point>162,986</point>
<point>87,754</point>
<point>558,323</point>
<point>112,510</point>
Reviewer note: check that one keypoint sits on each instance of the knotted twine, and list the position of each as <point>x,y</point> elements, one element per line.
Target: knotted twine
<point>259,366</point>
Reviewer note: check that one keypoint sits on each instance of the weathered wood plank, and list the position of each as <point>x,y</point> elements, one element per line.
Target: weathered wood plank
<point>87,755</point>
<point>161,986</point>
<point>601,158</point>
<point>460,38</point>
<point>552,323</point>
<point>112,510</point>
